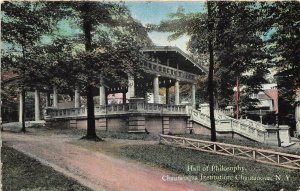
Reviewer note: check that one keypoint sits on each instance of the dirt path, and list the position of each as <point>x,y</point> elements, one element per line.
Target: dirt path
<point>96,170</point>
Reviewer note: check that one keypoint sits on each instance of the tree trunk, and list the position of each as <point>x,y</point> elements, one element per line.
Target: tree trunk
<point>210,87</point>
<point>23,129</point>
<point>87,28</point>
<point>278,129</point>
<point>237,97</point>
<point>91,130</point>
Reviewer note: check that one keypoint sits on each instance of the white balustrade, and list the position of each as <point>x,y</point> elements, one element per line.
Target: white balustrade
<point>118,109</point>
<point>250,129</point>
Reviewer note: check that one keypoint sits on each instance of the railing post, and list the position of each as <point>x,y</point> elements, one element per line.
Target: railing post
<point>254,155</point>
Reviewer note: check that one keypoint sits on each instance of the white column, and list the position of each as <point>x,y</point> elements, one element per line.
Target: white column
<point>156,89</point>
<point>77,98</point>
<point>55,100</point>
<point>20,107</point>
<point>194,95</point>
<point>261,117</point>
<point>48,99</point>
<point>102,95</point>
<point>36,105</point>
<point>176,92</point>
<point>131,89</point>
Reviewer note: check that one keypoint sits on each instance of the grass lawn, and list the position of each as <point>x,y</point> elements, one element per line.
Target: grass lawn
<point>40,130</point>
<point>37,129</point>
<point>178,159</point>
<point>109,134</point>
<point>20,172</point>
<point>43,131</point>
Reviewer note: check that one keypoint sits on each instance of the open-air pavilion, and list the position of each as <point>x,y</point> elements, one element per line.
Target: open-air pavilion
<point>143,109</point>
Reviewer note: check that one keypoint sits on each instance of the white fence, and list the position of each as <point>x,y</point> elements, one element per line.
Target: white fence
<point>259,155</point>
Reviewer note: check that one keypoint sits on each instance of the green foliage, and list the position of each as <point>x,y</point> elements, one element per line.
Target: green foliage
<point>283,21</point>
<point>115,36</point>
<point>106,43</point>
<point>23,23</point>
<point>237,43</point>
<point>284,43</point>
<point>239,48</point>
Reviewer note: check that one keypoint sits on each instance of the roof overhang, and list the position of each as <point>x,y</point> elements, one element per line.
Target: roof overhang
<point>188,60</point>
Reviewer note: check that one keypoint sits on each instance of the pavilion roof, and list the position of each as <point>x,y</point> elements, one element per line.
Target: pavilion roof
<point>187,61</point>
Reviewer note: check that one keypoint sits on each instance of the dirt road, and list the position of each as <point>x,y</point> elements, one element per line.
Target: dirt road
<point>96,170</point>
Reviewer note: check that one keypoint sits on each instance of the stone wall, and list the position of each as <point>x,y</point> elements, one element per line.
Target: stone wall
<point>153,124</point>
<point>117,124</point>
<point>178,125</point>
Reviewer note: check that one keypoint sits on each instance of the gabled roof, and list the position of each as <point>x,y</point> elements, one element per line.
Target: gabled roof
<point>175,50</point>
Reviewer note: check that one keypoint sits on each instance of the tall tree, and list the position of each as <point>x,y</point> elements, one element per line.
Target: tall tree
<point>283,20</point>
<point>210,87</point>
<point>237,39</point>
<point>201,29</point>
<point>235,35</point>
<point>240,49</point>
<point>23,23</point>
<point>114,50</point>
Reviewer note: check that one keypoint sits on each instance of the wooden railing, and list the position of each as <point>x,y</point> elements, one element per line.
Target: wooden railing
<point>227,124</point>
<point>259,155</point>
<point>149,108</point>
<point>170,72</point>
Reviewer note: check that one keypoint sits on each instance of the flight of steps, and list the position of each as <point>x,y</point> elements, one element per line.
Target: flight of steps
<point>245,127</point>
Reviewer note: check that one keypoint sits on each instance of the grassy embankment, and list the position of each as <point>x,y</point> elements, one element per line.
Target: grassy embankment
<point>20,172</point>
